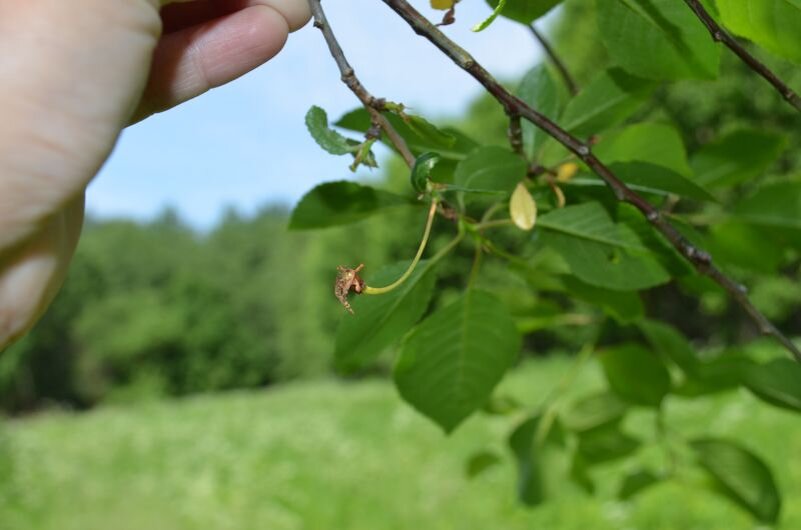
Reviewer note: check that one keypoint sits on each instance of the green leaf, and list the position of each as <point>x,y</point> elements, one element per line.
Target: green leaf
<point>670,259</point>
<point>718,375</point>
<point>657,39</point>
<point>773,24</point>
<point>737,157</point>
<point>606,101</point>
<point>528,457</point>
<point>777,382</point>
<point>420,135</point>
<point>600,252</point>
<point>489,20</point>
<point>479,462</point>
<point>579,473</point>
<point>741,476</point>
<point>490,168</point>
<point>339,203</point>
<point>428,132</point>
<point>636,375</point>
<point>524,11</point>
<point>649,178</point>
<point>774,205</point>
<point>747,246</point>
<point>328,139</point>
<point>605,444</point>
<point>593,411</point>
<point>701,377</point>
<point>541,91</point>
<point>636,482</point>
<point>501,405</point>
<point>655,143</point>
<point>523,208</point>
<point>607,267</point>
<point>450,363</point>
<point>421,172</point>
<point>670,343</point>
<point>591,222</point>
<point>625,306</point>
<point>381,320</point>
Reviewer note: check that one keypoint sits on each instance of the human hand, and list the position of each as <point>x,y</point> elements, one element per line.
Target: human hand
<point>72,76</point>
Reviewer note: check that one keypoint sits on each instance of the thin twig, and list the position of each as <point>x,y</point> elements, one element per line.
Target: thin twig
<point>432,211</point>
<point>721,35</point>
<point>699,258</point>
<point>556,60</point>
<point>373,105</point>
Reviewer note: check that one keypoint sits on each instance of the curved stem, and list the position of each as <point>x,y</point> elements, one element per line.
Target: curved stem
<point>432,210</point>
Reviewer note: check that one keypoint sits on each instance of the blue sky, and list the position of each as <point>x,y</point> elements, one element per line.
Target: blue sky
<point>245,144</point>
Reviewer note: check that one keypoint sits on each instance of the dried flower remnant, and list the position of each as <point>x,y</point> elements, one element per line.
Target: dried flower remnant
<point>348,280</point>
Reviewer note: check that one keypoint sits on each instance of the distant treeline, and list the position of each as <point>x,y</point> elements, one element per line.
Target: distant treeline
<point>158,309</point>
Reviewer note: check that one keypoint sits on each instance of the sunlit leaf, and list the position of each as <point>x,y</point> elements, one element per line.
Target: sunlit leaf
<point>773,24</point>
<point>655,143</point>
<point>522,208</point>
<point>605,102</point>
<point>657,39</point>
<point>450,363</point>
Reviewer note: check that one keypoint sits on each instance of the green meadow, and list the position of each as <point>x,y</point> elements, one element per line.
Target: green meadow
<point>349,455</point>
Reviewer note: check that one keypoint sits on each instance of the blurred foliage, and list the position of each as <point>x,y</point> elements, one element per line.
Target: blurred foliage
<point>157,309</point>
<point>310,455</point>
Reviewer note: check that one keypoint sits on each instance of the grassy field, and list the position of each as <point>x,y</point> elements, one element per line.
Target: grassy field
<point>327,455</point>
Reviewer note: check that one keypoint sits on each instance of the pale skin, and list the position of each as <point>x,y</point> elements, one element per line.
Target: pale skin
<point>73,74</point>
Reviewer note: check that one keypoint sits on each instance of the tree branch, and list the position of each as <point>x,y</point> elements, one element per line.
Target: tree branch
<point>513,105</point>
<point>373,105</point>
<point>720,35</point>
<point>555,59</point>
